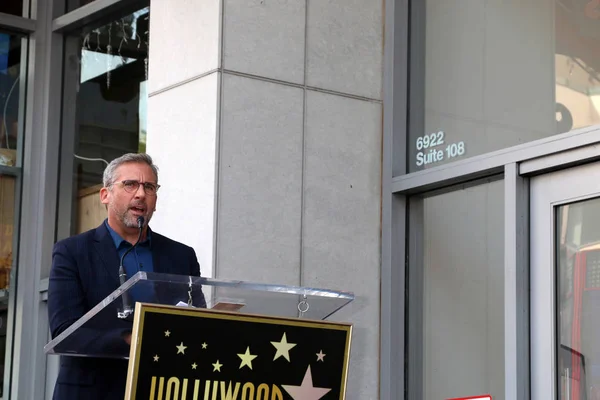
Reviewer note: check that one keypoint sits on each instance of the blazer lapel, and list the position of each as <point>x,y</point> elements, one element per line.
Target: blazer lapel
<point>105,247</point>
<point>159,256</point>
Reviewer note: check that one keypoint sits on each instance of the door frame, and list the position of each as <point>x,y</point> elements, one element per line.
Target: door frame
<point>547,192</point>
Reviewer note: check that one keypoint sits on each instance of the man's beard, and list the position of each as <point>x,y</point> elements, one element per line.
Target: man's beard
<point>130,221</point>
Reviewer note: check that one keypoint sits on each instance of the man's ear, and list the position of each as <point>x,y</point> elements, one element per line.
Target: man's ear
<point>104,195</point>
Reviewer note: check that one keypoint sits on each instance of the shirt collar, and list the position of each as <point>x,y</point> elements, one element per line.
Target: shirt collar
<point>119,241</point>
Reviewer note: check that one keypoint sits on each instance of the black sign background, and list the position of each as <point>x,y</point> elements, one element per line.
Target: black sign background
<point>226,335</point>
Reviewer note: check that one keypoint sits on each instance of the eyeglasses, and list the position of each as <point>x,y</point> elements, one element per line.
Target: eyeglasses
<point>132,186</point>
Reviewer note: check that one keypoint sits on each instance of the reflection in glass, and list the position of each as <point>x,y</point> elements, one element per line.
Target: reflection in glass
<point>578,285</point>
<point>7,259</point>
<point>13,7</point>
<point>10,69</point>
<point>111,106</point>
<point>577,63</point>
<point>456,295</point>
<point>478,86</point>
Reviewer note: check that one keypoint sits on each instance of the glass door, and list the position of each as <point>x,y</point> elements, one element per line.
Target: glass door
<point>565,284</point>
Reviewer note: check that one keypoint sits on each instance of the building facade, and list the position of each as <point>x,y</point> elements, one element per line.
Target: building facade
<point>437,158</point>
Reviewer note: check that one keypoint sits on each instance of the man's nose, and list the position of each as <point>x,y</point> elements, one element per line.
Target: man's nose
<point>140,192</point>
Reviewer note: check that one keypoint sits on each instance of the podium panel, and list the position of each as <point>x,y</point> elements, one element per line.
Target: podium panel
<point>100,332</point>
<point>191,353</point>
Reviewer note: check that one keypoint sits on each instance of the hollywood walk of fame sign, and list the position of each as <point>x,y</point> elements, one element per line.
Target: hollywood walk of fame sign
<point>182,353</point>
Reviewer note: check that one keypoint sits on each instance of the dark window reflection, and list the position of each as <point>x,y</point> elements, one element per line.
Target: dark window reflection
<point>111,104</point>
<point>10,69</point>
<point>14,7</point>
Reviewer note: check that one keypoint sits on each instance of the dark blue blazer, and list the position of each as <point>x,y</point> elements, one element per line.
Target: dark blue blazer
<point>84,272</point>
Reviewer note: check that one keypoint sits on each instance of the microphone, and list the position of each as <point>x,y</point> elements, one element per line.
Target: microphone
<point>127,309</point>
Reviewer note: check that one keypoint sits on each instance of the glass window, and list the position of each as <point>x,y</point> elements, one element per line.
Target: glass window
<point>578,277</point>
<point>487,75</point>
<point>10,78</point>
<point>109,83</point>
<point>14,7</point>
<point>456,295</point>
<point>11,84</point>
<point>8,249</point>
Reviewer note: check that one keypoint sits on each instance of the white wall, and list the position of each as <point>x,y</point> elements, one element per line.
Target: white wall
<point>183,121</point>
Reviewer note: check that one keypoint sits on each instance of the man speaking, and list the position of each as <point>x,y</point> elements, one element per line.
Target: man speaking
<point>85,270</point>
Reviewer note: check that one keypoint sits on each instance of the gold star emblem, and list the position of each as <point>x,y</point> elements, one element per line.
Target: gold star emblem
<point>167,333</point>
<point>156,357</point>
<point>283,348</point>
<point>217,366</point>
<point>247,358</point>
<point>204,345</point>
<point>306,391</point>
<point>194,366</point>
<point>321,356</point>
<point>181,348</point>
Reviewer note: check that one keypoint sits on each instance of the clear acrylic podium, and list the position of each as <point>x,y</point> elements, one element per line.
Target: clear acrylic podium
<point>92,336</point>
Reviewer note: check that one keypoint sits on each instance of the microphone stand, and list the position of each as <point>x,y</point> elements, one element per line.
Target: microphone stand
<point>127,307</point>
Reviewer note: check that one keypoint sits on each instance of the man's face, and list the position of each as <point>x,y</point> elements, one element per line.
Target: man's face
<point>125,207</point>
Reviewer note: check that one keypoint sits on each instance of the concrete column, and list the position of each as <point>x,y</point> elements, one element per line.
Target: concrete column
<point>265,117</point>
<point>183,109</point>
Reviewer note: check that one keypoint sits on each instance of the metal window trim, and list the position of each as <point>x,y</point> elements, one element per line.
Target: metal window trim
<point>95,12</point>
<point>516,284</point>
<point>43,285</point>
<point>493,163</point>
<point>66,179</point>
<point>27,8</point>
<point>563,159</point>
<point>414,376</point>
<point>392,307</point>
<point>43,289</point>
<point>10,171</point>
<point>38,201</point>
<point>17,24</point>
<point>22,113</point>
<point>17,172</point>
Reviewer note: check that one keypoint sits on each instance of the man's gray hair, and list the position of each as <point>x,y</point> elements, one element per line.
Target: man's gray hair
<point>110,171</point>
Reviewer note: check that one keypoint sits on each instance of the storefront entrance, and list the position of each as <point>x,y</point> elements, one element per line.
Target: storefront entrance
<point>565,284</point>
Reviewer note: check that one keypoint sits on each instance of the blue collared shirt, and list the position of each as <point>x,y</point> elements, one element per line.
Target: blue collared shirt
<point>138,259</point>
